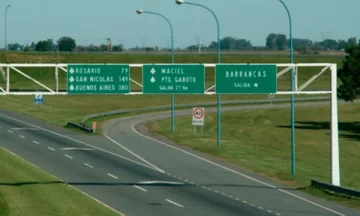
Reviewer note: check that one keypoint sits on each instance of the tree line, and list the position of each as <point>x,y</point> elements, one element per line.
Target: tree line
<point>274,41</point>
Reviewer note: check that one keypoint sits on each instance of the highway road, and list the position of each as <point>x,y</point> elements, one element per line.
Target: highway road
<point>138,175</point>
<point>110,175</point>
<point>218,176</point>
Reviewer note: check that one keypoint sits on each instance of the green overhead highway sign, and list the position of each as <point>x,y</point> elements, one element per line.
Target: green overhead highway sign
<point>98,79</point>
<point>173,79</point>
<point>245,79</point>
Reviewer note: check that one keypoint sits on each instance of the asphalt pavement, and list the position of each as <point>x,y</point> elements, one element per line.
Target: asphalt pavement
<point>114,176</point>
<point>135,174</point>
<point>219,177</point>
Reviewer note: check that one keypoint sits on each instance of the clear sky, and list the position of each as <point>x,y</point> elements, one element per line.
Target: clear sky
<point>91,21</point>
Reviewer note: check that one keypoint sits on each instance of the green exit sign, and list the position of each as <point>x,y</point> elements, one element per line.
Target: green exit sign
<point>98,79</point>
<point>245,79</point>
<point>173,79</point>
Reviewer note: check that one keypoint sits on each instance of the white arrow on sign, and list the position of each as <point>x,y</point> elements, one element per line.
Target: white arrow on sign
<point>256,85</point>
<point>72,88</point>
<point>72,79</point>
<point>72,70</point>
<point>152,79</point>
<point>153,71</point>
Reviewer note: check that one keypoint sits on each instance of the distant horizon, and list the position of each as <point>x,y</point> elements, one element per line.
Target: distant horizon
<point>252,20</point>
<point>104,43</point>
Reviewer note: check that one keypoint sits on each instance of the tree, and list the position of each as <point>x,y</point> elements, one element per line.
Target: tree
<point>15,47</point>
<point>281,42</point>
<point>349,74</point>
<point>43,46</point>
<point>352,41</point>
<point>118,48</point>
<point>330,44</point>
<point>271,41</point>
<point>342,44</point>
<point>66,44</point>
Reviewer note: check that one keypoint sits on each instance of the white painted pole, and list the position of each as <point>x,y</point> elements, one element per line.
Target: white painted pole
<point>296,78</point>
<point>57,78</point>
<point>7,79</point>
<point>334,131</point>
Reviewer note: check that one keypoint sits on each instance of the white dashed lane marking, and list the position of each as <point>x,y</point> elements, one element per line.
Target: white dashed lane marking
<point>174,203</point>
<point>88,165</point>
<point>230,197</point>
<point>68,156</point>
<point>112,176</point>
<point>140,188</point>
<point>51,149</point>
<point>21,136</point>
<point>10,131</point>
<point>37,143</point>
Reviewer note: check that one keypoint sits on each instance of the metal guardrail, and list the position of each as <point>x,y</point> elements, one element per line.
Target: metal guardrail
<point>336,189</point>
<point>157,108</point>
<point>79,126</point>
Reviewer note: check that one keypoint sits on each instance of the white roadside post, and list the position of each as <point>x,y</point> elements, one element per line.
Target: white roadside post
<point>94,125</point>
<point>198,118</point>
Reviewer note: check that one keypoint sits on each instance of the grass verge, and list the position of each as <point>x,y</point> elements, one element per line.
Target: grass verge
<point>259,140</point>
<point>59,110</point>
<point>48,197</point>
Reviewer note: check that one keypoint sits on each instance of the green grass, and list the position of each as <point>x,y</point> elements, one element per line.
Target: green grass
<point>42,199</point>
<point>61,109</point>
<point>259,140</point>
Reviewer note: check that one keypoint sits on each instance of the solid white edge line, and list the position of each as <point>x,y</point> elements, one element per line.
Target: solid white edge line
<point>126,149</point>
<point>51,149</point>
<point>233,171</point>
<point>68,156</point>
<point>79,142</point>
<point>37,143</point>
<point>140,188</point>
<point>21,136</point>
<point>88,165</point>
<point>93,198</point>
<point>311,202</point>
<point>174,203</point>
<point>112,176</point>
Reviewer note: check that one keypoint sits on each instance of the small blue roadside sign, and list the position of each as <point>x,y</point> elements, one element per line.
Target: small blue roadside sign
<point>38,99</point>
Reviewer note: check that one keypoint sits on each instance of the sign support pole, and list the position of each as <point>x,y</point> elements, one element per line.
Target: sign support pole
<point>219,120</point>
<point>173,113</point>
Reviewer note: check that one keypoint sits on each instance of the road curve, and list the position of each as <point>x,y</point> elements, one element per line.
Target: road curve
<point>214,175</point>
<point>116,177</point>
